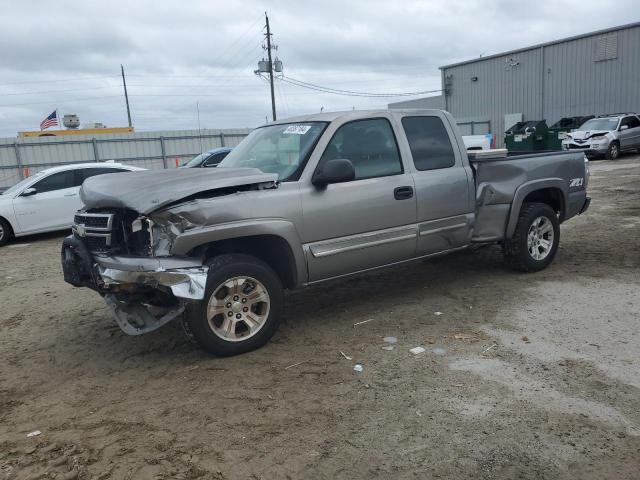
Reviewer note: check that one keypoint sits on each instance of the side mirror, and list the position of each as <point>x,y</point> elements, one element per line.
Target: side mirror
<point>624,127</point>
<point>334,171</point>
<point>28,192</point>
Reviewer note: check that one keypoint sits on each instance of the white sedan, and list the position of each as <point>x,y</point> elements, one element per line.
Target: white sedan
<point>47,201</point>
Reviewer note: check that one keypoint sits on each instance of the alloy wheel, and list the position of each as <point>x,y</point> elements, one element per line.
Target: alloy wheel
<point>540,238</point>
<point>238,308</point>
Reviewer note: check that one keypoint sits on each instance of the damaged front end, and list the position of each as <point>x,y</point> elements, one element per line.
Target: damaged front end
<point>121,246</point>
<point>143,293</point>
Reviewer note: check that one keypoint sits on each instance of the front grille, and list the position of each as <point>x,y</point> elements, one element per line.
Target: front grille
<point>94,229</point>
<point>110,231</point>
<point>94,221</point>
<point>578,147</point>
<point>97,244</point>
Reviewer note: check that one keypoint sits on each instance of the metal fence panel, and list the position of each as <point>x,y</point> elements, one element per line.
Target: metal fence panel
<point>23,157</point>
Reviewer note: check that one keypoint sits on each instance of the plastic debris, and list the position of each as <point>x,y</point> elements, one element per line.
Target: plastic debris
<point>345,355</point>
<point>439,351</point>
<point>489,348</point>
<point>390,340</point>
<point>35,433</point>
<point>388,347</point>
<point>417,350</point>
<point>437,314</point>
<point>358,368</point>
<point>464,336</point>
<point>295,365</point>
<point>364,321</point>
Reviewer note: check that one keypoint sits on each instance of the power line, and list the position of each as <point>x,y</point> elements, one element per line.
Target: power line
<point>352,93</point>
<point>59,80</point>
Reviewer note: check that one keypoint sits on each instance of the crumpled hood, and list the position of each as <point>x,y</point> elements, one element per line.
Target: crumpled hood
<point>149,190</point>
<point>584,134</point>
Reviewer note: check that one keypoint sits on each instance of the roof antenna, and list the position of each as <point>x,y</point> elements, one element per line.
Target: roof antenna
<point>321,109</point>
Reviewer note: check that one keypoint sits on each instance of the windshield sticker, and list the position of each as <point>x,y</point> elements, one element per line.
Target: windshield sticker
<point>297,129</point>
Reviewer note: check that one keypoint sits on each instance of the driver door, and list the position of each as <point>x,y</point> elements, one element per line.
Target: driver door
<point>369,221</point>
<point>52,206</point>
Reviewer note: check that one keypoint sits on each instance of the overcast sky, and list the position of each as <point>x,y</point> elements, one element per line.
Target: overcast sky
<point>67,54</point>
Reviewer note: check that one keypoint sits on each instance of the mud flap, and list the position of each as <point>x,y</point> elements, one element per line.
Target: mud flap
<point>135,318</point>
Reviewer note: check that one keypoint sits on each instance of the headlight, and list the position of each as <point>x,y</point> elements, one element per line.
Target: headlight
<point>568,137</point>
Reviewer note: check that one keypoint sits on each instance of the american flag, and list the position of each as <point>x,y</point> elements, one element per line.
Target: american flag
<point>50,121</point>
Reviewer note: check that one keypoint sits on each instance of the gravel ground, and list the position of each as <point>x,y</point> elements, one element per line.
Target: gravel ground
<point>524,376</point>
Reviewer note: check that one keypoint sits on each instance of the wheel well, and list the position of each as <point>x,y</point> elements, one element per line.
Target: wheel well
<point>8,223</point>
<point>271,249</point>
<point>551,196</point>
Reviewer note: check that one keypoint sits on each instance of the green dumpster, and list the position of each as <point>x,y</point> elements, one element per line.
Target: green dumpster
<point>558,131</point>
<point>528,136</point>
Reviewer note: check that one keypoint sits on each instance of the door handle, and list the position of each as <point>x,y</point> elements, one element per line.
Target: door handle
<point>70,194</point>
<point>402,193</point>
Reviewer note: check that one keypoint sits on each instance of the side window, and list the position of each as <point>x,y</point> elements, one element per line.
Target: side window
<point>369,144</point>
<point>215,159</point>
<point>57,181</point>
<point>92,172</point>
<point>429,142</point>
<point>631,122</point>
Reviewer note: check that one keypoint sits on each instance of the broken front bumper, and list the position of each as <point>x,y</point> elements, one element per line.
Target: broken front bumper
<point>119,278</point>
<point>186,277</point>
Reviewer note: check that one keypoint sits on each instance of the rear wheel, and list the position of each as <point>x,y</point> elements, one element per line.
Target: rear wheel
<point>535,241</point>
<point>613,152</point>
<point>242,306</point>
<point>6,232</point>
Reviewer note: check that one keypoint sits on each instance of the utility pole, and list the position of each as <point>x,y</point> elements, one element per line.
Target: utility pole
<point>126,96</point>
<point>273,98</point>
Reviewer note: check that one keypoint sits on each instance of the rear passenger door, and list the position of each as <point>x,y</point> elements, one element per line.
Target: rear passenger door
<point>443,185</point>
<point>630,137</point>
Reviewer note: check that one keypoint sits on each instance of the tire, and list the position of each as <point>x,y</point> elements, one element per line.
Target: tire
<point>526,251</point>
<point>234,281</point>
<point>6,232</point>
<point>613,152</point>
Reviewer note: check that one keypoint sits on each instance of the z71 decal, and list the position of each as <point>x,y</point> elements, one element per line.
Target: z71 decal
<point>576,182</point>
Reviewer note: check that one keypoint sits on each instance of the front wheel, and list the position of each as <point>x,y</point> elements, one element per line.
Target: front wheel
<point>242,306</point>
<point>613,152</point>
<point>5,232</point>
<point>535,241</point>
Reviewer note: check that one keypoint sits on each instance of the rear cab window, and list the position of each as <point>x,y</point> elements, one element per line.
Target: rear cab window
<point>429,142</point>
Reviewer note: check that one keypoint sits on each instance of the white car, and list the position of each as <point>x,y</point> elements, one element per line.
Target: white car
<point>47,201</point>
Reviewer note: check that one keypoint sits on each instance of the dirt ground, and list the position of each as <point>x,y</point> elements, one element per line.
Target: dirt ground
<point>525,376</point>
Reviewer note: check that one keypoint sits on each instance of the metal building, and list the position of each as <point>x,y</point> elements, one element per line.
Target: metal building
<point>589,74</point>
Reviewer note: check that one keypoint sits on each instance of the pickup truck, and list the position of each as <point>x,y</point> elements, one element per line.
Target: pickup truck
<point>306,200</point>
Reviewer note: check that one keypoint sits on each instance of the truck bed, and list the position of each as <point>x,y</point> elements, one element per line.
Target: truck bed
<point>504,182</point>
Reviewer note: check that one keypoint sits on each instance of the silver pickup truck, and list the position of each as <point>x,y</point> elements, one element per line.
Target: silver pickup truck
<point>302,201</point>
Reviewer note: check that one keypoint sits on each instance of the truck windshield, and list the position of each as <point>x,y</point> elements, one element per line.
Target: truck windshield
<point>600,124</point>
<point>281,149</point>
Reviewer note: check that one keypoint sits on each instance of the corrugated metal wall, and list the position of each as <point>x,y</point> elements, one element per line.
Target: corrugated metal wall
<point>426,102</point>
<point>163,149</point>
<point>549,82</point>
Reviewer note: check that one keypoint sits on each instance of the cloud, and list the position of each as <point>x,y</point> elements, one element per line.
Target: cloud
<point>67,54</point>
